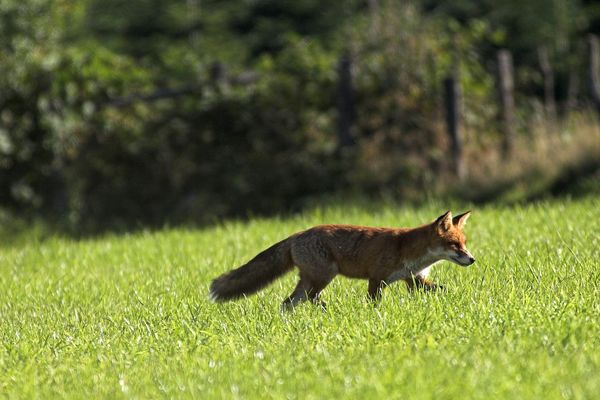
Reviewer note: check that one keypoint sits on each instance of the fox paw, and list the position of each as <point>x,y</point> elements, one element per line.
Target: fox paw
<point>435,288</point>
<point>320,304</point>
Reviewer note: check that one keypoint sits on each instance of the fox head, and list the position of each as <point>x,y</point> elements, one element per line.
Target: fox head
<point>451,243</point>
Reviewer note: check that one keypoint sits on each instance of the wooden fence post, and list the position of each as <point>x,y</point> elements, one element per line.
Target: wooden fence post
<point>218,75</point>
<point>507,101</point>
<point>549,98</point>
<point>572,88</point>
<point>594,80</point>
<point>452,102</point>
<point>375,18</point>
<point>193,8</point>
<point>345,102</point>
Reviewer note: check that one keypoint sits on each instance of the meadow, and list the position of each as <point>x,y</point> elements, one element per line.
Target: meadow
<point>128,316</point>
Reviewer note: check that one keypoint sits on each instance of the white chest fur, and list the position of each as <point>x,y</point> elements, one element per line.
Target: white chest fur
<point>420,266</point>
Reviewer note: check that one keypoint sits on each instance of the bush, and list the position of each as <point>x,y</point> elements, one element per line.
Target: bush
<point>69,148</point>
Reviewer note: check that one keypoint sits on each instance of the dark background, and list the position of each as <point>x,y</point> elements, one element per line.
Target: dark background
<point>118,112</point>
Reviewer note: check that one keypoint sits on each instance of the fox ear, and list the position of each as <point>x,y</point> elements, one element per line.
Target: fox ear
<point>444,222</point>
<point>460,220</point>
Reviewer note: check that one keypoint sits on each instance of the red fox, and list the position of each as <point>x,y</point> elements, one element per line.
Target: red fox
<point>381,255</point>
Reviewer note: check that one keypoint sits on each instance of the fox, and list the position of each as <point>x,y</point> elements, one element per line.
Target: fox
<point>380,255</point>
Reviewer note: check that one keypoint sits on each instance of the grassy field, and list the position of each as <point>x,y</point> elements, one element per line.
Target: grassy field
<point>128,316</point>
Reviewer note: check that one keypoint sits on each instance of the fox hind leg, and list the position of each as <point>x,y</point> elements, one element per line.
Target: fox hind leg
<point>305,290</point>
<point>324,278</point>
<point>309,288</point>
<point>300,294</point>
<point>316,299</point>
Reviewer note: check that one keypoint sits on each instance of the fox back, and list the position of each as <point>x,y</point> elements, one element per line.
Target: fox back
<point>381,255</point>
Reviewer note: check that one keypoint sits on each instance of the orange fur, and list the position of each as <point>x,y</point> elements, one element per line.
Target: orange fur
<point>381,255</point>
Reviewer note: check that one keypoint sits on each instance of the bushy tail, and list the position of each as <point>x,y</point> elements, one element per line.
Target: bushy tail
<point>254,275</point>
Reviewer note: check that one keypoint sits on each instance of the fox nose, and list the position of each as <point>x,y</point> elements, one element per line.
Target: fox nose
<point>471,260</point>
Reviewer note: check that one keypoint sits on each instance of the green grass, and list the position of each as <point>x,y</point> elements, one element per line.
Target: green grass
<point>128,316</point>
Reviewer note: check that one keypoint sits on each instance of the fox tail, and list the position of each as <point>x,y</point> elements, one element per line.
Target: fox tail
<point>257,273</point>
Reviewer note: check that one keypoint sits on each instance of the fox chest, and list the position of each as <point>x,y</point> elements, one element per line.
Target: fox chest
<point>409,269</point>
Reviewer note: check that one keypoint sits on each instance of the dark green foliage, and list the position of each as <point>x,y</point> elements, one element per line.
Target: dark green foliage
<point>80,139</point>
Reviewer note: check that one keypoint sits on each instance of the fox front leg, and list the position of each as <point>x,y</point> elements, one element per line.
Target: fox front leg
<point>420,282</point>
<point>375,289</point>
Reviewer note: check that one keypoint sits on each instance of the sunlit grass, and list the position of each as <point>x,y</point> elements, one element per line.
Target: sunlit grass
<point>128,316</point>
